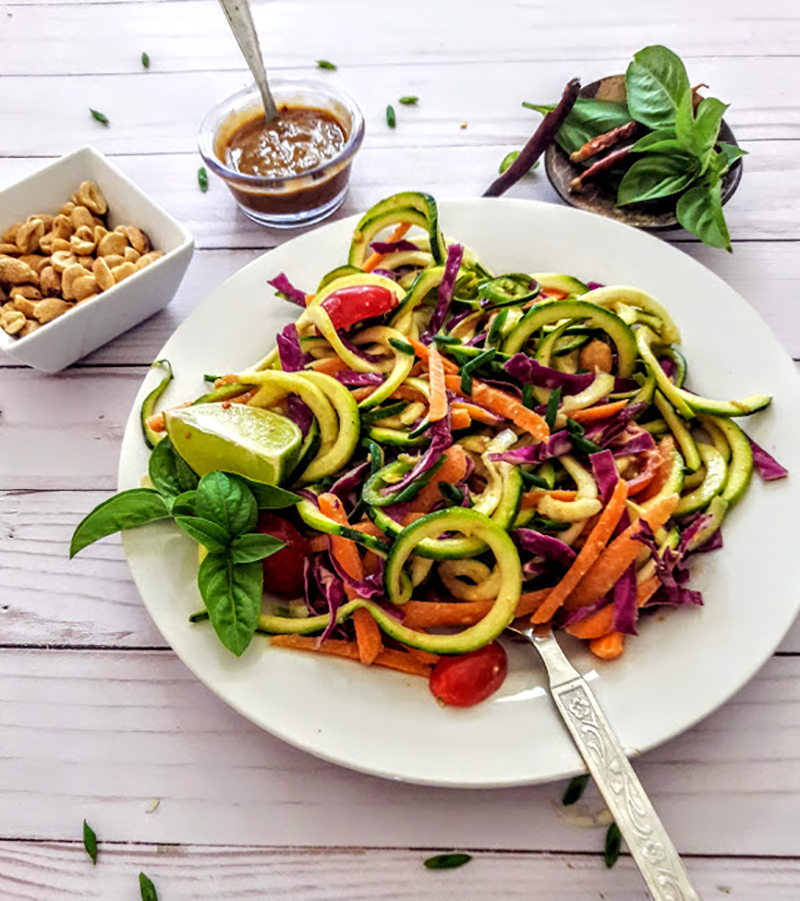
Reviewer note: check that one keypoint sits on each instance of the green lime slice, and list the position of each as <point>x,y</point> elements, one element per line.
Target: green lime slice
<point>258,444</point>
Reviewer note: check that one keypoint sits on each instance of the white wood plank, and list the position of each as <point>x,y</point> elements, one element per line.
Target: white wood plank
<point>100,734</point>
<point>89,601</point>
<point>35,872</point>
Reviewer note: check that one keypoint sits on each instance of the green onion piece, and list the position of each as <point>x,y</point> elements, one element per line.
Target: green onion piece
<point>326,64</point>
<point>383,412</point>
<point>375,457</point>
<point>147,889</point>
<point>447,861</point>
<point>401,346</point>
<point>477,362</point>
<point>496,331</point>
<point>528,400</point>
<point>210,378</point>
<point>452,492</point>
<point>198,617</point>
<point>447,340</point>
<point>202,179</point>
<point>575,789</point>
<point>509,158</point>
<point>613,845</point>
<point>145,60</point>
<point>532,480</point>
<point>409,101</point>
<point>552,408</point>
<point>549,525</point>
<point>99,117</point>
<point>466,381</point>
<point>575,428</point>
<point>391,119</point>
<point>90,841</point>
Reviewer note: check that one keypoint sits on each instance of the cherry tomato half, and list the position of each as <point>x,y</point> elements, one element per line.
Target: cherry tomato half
<point>348,306</point>
<point>283,571</point>
<point>471,678</point>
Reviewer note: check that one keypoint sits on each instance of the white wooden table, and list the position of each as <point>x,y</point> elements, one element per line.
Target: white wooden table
<point>97,717</point>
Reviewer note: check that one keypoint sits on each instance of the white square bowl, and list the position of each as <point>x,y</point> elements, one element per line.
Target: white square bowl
<point>96,321</point>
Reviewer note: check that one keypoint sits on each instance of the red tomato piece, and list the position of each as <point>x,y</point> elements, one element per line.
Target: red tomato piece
<point>470,678</point>
<point>349,306</point>
<point>283,571</point>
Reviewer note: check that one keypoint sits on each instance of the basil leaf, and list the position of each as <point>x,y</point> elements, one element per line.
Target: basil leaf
<point>699,211</point>
<point>731,152</point>
<point>90,842</point>
<point>168,472</point>
<point>447,861</point>
<point>122,511</point>
<point>147,889</point>
<point>656,82</point>
<point>575,789</point>
<point>228,502</point>
<point>270,497</point>
<point>184,504</point>
<point>232,595</point>
<point>706,127</point>
<point>587,119</point>
<point>662,140</point>
<point>252,547</point>
<point>213,537</point>
<point>656,176</point>
<point>684,123</point>
<point>613,845</point>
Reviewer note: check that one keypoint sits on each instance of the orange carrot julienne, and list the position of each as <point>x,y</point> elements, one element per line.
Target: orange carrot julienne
<point>156,422</point>
<point>344,549</point>
<point>427,614</point>
<point>592,414</point>
<point>368,636</point>
<point>329,366</point>
<point>601,622</point>
<point>423,352</point>
<point>389,658</point>
<point>309,298</point>
<point>666,448</point>
<point>597,540</point>
<point>609,647</point>
<point>531,498</point>
<point>453,471</point>
<point>438,406</point>
<point>475,412</point>
<point>360,394</point>
<point>423,656</point>
<point>374,260</point>
<point>504,404</point>
<point>317,544</point>
<point>617,557</point>
<point>460,419</point>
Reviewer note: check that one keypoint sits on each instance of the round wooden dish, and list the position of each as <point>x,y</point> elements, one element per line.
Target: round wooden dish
<point>597,198</point>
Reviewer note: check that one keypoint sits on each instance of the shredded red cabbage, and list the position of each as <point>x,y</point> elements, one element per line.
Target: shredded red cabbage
<point>642,441</point>
<point>544,546</point>
<point>332,590</point>
<point>398,512</point>
<point>530,372</point>
<point>291,353</point>
<point>346,487</point>
<point>605,473</point>
<point>393,246</point>
<point>299,412</point>
<point>533,569</point>
<point>354,379</point>
<point>768,467</point>
<point>558,444</point>
<point>287,290</point>
<point>593,286</point>
<point>669,367</point>
<point>387,273</point>
<point>441,438</point>
<point>371,358</point>
<point>478,339</point>
<point>455,254</point>
<point>603,433</point>
<point>671,568</point>
<point>626,610</point>
<point>569,618</point>
<point>308,495</point>
<point>712,543</point>
<point>371,587</point>
<point>460,317</point>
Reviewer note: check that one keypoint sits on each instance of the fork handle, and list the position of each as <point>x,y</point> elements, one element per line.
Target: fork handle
<point>651,847</point>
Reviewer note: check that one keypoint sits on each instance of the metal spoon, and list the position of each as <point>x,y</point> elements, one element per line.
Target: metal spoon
<point>240,19</point>
<point>654,853</point>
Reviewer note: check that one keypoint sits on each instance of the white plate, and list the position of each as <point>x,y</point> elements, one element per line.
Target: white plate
<point>684,663</point>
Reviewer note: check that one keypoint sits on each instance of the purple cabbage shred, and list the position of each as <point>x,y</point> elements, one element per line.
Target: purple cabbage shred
<point>455,254</point>
<point>287,290</point>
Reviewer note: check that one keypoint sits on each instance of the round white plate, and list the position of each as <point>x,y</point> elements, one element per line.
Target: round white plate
<point>683,665</point>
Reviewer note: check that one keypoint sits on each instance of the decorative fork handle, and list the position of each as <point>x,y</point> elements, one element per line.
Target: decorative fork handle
<point>651,847</point>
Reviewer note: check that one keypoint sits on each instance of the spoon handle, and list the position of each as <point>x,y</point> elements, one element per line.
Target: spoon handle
<point>651,847</point>
<point>240,19</point>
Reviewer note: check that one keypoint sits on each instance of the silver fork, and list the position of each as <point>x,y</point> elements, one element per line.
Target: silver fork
<point>649,844</point>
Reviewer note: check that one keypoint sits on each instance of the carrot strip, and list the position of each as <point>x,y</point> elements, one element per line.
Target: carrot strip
<point>617,557</point>
<point>423,656</point>
<point>423,352</point>
<point>453,471</point>
<point>530,601</point>
<point>531,498</point>
<point>460,419</point>
<point>373,261</point>
<point>156,423</point>
<point>368,636</point>
<point>601,622</point>
<point>592,414</point>
<point>477,413</point>
<point>389,658</point>
<point>597,540</point>
<point>438,407</point>
<point>427,614</point>
<point>406,392</point>
<point>362,393</point>
<point>609,647</point>
<point>317,544</point>
<point>504,405</point>
<point>403,662</point>
<point>329,366</point>
<point>666,448</point>
<point>309,298</point>
<point>344,549</point>
<point>368,528</point>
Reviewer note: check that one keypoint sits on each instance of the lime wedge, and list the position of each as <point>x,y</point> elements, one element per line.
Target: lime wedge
<point>258,444</point>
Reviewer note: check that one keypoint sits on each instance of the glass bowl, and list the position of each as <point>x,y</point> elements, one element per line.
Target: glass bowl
<point>284,202</point>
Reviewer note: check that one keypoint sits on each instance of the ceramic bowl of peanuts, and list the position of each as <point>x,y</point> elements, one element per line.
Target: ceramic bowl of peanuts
<point>80,270</point>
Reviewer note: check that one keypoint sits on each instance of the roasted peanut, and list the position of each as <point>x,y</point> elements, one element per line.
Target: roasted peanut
<point>82,242</point>
<point>114,260</point>
<point>50,282</point>
<point>130,255</point>
<point>122,271</point>
<point>68,276</point>
<point>62,227</point>
<point>12,321</point>
<point>148,258</point>
<point>50,308</point>
<point>46,243</point>
<point>36,261</point>
<point>91,196</point>
<point>30,326</point>
<point>28,235</point>
<point>61,259</point>
<point>59,245</point>
<point>25,306</point>
<point>112,243</point>
<point>102,274</point>
<point>137,238</point>
<point>67,209</point>
<point>27,291</point>
<point>10,234</point>
<point>596,356</point>
<point>86,261</point>
<point>81,216</point>
<point>84,287</point>
<point>47,218</point>
<point>10,250</point>
<point>100,231</point>
<point>15,272</point>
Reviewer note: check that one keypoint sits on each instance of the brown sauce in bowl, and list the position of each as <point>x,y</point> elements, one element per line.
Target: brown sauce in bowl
<point>299,140</point>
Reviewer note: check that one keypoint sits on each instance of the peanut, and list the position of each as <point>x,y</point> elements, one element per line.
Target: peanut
<point>30,326</point>
<point>148,258</point>
<point>92,197</point>
<point>67,209</point>
<point>112,243</point>
<point>596,356</point>
<point>10,250</point>
<point>82,241</point>
<point>12,321</point>
<point>113,260</point>
<point>61,259</point>
<point>10,234</point>
<point>47,218</point>
<point>26,291</point>
<point>51,308</point>
<point>122,271</point>
<point>102,274</point>
<point>59,244</point>
<point>36,261</point>
<point>131,255</point>
<point>46,243</point>
<point>62,227</point>
<point>86,261</point>
<point>29,234</point>
<point>84,287</point>
<point>25,306</point>
<point>50,282</point>
<point>15,272</point>
<point>81,216</point>
<point>138,239</point>
<point>68,276</point>
<point>100,231</point>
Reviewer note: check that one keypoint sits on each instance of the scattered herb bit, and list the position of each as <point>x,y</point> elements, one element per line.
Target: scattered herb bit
<point>447,861</point>
<point>452,493</point>
<point>575,789</point>
<point>552,408</point>
<point>463,125</point>
<point>147,889</point>
<point>202,179</point>
<point>402,346</point>
<point>326,64</point>
<point>99,117</point>
<point>145,59</point>
<point>409,101</point>
<point>199,617</point>
<point>90,841</point>
<point>152,807</point>
<point>613,845</point>
<point>391,119</point>
<point>509,158</point>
